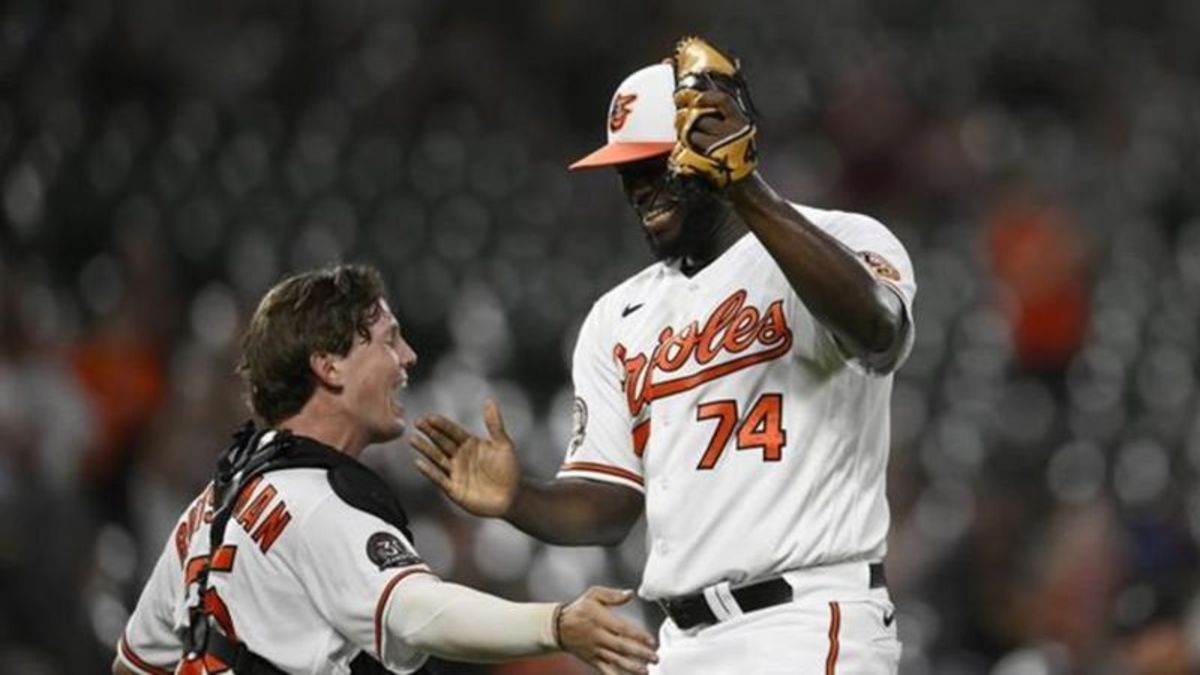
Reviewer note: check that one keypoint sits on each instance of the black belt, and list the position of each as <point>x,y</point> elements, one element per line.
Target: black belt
<point>689,611</point>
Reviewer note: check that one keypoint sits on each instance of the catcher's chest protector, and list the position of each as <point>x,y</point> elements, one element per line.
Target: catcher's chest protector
<point>254,454</point>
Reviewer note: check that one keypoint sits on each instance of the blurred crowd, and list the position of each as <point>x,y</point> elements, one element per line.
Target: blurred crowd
<point>163,162</point>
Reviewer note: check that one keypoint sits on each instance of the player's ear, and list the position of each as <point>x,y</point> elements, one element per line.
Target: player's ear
<point>327,369</point>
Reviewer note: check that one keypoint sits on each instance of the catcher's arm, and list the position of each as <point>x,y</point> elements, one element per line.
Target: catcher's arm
<point>717,144</point>
<point>460,623</point>
<point>119,668</point>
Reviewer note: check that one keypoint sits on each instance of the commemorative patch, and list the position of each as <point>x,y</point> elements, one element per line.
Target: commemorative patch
<point>880,265</point>
<point>579,419</point>
<point>385,550</point>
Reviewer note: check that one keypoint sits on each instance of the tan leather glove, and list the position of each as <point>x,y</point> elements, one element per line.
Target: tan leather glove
<point>714,117</point>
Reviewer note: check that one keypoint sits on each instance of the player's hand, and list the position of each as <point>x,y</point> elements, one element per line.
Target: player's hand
<point>479,474</point>
<point>591,631</point>
<point>704,118</point>
<point>715,137</point>
<point>714,116</point>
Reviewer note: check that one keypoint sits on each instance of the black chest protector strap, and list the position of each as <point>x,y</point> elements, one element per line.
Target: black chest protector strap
<point>253,454</point>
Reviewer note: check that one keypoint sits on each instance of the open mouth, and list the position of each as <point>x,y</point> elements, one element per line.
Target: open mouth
<point>397,403</point>
<point>657,215</point>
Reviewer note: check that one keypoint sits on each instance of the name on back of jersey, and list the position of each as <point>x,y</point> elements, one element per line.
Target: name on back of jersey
<point>259,511</point>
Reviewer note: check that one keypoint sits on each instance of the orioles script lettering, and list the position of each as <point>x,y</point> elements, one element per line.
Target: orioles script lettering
<point>733,328</point>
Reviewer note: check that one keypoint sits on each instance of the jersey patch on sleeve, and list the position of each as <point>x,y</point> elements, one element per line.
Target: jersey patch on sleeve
<point>579,420</point>
<point>880,265</point>
<point>385,550</point>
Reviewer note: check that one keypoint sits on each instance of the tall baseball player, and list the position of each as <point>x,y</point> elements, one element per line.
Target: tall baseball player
<point>297,558</point>
<point>736,391</point>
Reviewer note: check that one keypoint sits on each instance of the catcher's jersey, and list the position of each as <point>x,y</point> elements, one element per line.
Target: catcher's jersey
<point>759,446</point>
<point>303,578</point>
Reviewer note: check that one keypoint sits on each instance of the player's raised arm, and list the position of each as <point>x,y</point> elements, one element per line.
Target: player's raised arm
<point>866,314</point>
<point>716,144</point>
<point>482,475</point>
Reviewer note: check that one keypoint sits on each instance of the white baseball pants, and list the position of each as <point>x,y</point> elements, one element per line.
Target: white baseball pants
<point>835,625</point>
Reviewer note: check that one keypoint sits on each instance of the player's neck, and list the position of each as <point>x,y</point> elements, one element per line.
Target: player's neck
<point>321,422</point>
<point>725,231</point>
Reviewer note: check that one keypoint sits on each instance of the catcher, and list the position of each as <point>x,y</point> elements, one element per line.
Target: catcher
<point>736,391</point>
<point>298,559</point>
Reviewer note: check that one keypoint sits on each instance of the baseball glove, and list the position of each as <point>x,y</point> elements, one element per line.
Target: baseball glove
<point>714,116</point>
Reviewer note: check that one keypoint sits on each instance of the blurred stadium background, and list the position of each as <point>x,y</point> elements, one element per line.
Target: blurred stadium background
<point>163,162</point>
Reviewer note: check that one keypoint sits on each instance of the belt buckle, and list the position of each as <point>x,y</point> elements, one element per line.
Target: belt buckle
<point>720,601</point>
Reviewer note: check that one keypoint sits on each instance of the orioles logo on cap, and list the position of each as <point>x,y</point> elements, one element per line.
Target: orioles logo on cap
<point>621,107</point>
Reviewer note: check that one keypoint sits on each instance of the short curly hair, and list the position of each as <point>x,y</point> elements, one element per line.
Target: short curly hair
<point>309,313</point>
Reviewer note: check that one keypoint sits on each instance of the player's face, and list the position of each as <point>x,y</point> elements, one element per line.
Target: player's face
<point>670,221</point>
<point>660,210</point>
<point>376,374</point>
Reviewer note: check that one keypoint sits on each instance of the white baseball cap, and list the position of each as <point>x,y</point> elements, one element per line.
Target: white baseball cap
<point>641,119</point>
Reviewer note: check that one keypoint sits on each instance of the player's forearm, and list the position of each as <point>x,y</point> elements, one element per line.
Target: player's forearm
<point>867,318</point>
<point>456,622</point>
<point>575,512</point>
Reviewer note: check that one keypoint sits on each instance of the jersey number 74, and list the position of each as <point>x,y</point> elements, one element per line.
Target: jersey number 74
<point>762,427</point>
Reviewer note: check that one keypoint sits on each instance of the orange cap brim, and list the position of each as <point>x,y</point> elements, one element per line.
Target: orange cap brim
<point>620,153</point>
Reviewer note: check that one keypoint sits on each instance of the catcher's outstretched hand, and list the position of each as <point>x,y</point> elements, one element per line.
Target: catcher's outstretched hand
<point>590,630</point>
<point>479,474</point>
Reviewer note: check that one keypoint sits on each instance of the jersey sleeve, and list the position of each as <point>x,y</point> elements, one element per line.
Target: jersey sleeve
<point>885,257</point>
<point>350,562</point>
<point>604,439</point>
<point>149,645</point>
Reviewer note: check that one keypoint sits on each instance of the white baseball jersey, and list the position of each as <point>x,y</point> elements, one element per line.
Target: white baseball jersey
<point>303,579</point>
<point>759,445</point>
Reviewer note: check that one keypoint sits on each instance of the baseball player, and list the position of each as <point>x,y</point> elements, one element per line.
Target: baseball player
<point>297,558</point>
<point>736,392</point>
